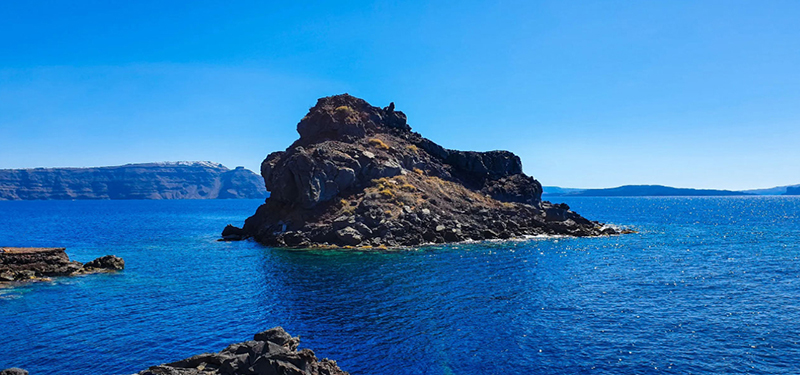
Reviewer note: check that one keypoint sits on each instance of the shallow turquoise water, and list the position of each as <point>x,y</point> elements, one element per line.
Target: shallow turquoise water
<point>709,285</point>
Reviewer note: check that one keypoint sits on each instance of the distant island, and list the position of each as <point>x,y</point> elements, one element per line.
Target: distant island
<point>166,180</point>
<point>664,191</point>
<point>358,176</point>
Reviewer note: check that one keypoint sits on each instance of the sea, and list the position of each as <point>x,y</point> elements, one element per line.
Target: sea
<point>708,285</point>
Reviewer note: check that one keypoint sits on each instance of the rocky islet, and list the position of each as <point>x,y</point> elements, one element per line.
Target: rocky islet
<point>358,176</point>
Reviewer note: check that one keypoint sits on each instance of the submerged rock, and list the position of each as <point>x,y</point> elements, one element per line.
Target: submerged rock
<point>271,352</point>
<point>13,371</point>
<point>30,263</point>
<point>358,176</point>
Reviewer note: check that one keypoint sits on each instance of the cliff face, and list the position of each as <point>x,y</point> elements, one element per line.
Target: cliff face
<point>177,180</point>
<point>358,176</point>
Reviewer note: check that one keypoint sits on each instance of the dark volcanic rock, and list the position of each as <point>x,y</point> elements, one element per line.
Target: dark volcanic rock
<point>231,233</point>
<point>108,262</point>
<point>13,371</point>
<point>21,264</point>
<point>358,176</point>
<point>178,180</point>
<point>271,352</point>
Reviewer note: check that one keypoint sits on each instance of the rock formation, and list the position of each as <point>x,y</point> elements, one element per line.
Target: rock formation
<point>172,180</point>
<point>271,352</point>
<point>358,176</point>
<point>26,263</point>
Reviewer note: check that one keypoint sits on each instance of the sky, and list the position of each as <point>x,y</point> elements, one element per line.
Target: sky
<point>702,94</point>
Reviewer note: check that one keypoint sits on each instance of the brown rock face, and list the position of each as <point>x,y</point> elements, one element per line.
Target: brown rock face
<point>358,176</point>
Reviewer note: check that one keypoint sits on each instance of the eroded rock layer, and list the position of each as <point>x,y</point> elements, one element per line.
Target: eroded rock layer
<point>358,176</point>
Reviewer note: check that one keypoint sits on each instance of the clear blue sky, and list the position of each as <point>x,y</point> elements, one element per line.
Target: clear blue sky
<point>590,94</point>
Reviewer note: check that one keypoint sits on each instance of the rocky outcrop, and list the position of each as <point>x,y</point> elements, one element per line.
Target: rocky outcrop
<point>270,352</point>
<point>231,233</point>
<point>171,180</point>
<point>25,264</point>
<point>358,176</point>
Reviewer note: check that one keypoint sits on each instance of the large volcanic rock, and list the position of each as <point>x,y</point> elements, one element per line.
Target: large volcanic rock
<point>358,176</point>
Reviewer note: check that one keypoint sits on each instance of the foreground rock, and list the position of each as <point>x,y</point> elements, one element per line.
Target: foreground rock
<point>32,263</point>
<point>271,352</point>
<point>358,176</point>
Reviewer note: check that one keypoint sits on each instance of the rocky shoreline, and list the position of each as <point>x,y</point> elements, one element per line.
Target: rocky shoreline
<point>20,264</point>
<point>359,177</point>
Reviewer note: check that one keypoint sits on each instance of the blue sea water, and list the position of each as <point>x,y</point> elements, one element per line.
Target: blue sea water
<point>707,286</point>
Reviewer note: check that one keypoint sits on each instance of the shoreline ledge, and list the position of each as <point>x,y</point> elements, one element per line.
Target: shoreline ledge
<point>20,264</point>
<point>359,177</point>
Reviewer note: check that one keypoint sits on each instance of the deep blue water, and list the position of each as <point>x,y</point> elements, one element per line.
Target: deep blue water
<point>708,286</point>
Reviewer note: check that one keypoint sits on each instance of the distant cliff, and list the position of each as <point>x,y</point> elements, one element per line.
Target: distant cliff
<point>641,191</point>
<point>793,190</point>
<point>168,180</point>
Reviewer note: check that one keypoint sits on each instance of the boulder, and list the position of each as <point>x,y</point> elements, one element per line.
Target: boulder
<point>232,233</point>
<point>349,236</point>
<point>108,262</point>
